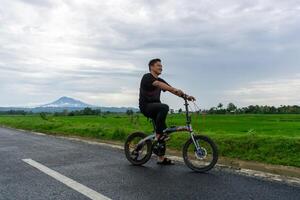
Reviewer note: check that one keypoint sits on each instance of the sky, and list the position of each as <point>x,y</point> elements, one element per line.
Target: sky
<point>245,52</point>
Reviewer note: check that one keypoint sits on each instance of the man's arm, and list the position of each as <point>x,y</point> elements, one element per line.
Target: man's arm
<point>167,87</point>
<point>171,89</point>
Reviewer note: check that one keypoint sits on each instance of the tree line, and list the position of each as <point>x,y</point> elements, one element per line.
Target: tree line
<point>219,109</point>
<point>253,109</point>
<point>85,111</point>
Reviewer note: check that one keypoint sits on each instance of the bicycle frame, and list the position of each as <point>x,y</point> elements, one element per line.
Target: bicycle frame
<point>170,130</point>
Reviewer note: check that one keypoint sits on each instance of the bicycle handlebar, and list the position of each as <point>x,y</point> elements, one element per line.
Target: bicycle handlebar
<point>184,96</point>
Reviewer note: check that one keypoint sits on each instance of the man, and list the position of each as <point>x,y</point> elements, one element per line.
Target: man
<point>150,104</point>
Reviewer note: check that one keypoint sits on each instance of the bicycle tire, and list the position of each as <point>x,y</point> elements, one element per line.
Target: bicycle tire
<point>214,154</point>
<point>128,153</point>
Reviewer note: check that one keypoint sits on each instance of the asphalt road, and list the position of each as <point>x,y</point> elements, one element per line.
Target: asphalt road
<point>106,171</point>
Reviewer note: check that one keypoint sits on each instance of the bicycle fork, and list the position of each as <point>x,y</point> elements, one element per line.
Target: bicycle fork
<point>198,148</point>
<point>194,141</point>
<point>190,129</point>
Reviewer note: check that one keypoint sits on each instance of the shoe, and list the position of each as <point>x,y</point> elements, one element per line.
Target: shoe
<point>165,161</point>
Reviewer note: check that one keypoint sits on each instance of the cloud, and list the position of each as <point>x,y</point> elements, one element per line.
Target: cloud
<point>92,48</point>
<point>285,91</point>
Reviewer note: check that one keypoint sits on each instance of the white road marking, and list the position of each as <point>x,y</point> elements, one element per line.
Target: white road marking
<point>92,194</point>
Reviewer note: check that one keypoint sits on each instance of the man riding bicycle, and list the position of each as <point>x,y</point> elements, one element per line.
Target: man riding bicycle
<point>150,104</point>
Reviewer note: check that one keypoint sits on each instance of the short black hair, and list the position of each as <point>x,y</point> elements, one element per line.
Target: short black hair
<point>152,62</point>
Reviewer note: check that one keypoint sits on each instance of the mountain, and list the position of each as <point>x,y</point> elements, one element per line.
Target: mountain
<point>66,102</point>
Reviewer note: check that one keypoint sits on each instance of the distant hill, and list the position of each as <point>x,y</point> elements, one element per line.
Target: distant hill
<point>68,103</point>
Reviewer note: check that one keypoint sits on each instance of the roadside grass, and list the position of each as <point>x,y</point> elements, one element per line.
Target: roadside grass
<point>273,139</point>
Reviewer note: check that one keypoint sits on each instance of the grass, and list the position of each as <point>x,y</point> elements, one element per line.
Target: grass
<point>273,139</point>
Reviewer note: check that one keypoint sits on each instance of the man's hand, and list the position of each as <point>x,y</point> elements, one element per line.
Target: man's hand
<point>191,98</point>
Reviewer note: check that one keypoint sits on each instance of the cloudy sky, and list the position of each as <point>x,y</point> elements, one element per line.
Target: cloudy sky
<point>245,52</point>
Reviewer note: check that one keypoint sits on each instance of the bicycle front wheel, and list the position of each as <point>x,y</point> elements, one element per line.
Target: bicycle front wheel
<point>204,158</point>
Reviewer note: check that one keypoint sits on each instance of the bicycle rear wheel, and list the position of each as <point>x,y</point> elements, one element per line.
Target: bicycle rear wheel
<point>137,154</point>
<point>205,158</point>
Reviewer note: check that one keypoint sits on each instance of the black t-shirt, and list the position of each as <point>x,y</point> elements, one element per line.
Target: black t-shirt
<point>148,92</point>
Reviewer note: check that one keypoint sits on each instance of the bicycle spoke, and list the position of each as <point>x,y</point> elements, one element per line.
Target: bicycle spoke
<point>132,147</point>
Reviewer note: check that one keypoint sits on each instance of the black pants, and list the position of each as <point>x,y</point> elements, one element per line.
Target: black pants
<point>158,112</point>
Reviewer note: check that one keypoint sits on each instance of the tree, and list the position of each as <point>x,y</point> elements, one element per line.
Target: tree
<point>231,107</point>
<point>129,112</point>
<point>180,110</point>
<point>212,110</point>
<point>220,106</point>
<point>65,112</point>
<point>97,111</point>
<point>87,111</point>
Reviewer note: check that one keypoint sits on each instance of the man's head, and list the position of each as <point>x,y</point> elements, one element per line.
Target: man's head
<point>155,66</point>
